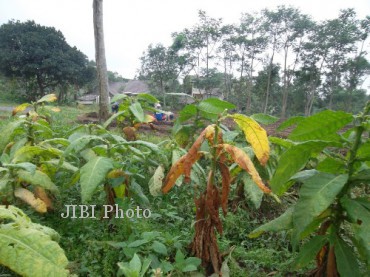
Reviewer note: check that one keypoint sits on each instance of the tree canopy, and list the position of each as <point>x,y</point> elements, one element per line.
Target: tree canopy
<point>41,57</point>
<point>277,61</point>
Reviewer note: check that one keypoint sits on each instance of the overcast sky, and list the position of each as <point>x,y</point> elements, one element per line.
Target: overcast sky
<point>130,26</point>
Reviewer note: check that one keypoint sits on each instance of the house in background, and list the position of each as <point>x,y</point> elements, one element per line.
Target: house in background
<point>201,94</point>
<point>131,87</point>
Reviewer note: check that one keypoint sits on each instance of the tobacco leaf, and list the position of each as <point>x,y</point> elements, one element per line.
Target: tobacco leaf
<point>28,197</point>
<point>255,135</point>
<point>226,181</point>
<point>243,160</point>
<point>41,194</point>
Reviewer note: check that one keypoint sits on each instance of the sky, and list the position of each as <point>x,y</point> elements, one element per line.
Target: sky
<point>130,26</point>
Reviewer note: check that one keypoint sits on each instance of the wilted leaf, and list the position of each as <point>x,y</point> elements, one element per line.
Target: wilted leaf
<point>226,179</point>
<point>41,194</point>
<point>48,98</point>
<point>20,108</point>
<point>255,135</point>
<point>28,197</point>
<point>243,160</point>
<point>155,183</point>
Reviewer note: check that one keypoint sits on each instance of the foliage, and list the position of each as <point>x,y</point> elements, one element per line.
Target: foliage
<point>41,57</point>
<point>28,248</point>
<point>275,61</point>
<point>133,108</point>
<point>208,200</point>
<point>331,214</point>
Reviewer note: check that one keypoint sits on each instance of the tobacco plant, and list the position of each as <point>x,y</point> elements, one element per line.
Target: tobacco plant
<point>330,168</point>
<point>27,248</point>
<point>212,197</point>
<point>25,145</point>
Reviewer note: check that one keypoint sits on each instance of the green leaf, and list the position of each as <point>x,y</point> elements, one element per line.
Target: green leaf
<point>114,116</point>
<point>137,111</point>
<point>187,112</point>
<point>64,165</point>
<point>252,192</point>
<point>331,165</point>
<point>159,248</point>
<point>289,122</point>
<point>28,249</point>
<point>281,142</point>
<point>345,258</point>
<point>79,143</point>
<point>304,174</point>
<point>321,126</point>
<point>215,106</point>
<point>135,263</point>
<point>153,147</point>
<point>30,167</point>
<point>7,132</point>
<point>363,151</point>
<point>309,251</point>
<point>26,153</point>
<point>92,175</point>
<point>118,97</point>
<point>360,217</point>
<point>148,97</point>
<point>55,141</point>
<point>264,118</point>
<point>138,243</point>
<point>293,160</point>
<point>39,178</point>
<point>155,183</point>
<point>316,195</point>
<point>283,222</point>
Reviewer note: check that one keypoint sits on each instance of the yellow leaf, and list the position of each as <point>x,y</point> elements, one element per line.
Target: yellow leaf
<point>243,160</point>
<point>255,135</point>
<point>115,173</point>
<point>120,191</point>
<point>55,109</point>
<point>20,108</point>
<point>28,197</point>
<point>41,194</point>
<point>48,98</point>
<point>176,170</point>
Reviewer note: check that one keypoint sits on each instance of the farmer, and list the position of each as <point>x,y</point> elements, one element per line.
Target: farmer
<point>115,107</point>
<point>159,115</point>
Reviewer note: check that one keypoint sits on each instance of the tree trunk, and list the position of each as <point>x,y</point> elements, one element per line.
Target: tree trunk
<point>285,90</point>
<point>101,63</point>
<point>268,83</point>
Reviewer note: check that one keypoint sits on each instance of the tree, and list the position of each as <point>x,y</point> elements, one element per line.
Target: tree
<point>287,27</point>
<point>101,64</point>
<point>39,56</point>
<point>201,43</point>
<point>160,65</point>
